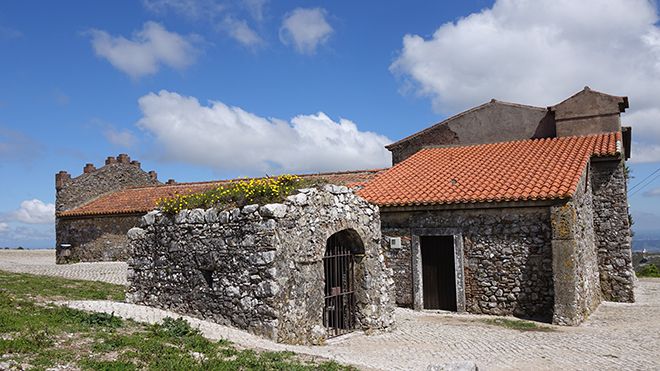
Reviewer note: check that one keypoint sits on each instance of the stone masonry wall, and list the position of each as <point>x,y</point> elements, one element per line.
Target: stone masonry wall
<point>93,238</point>
<point>260,268</point>
<point>101,238</point>
<point>115,175</point>
<point>612,230</point>
<point>575,261</point>
<point>489,123</point>
<point>507,257</point>
<point>400,261</point>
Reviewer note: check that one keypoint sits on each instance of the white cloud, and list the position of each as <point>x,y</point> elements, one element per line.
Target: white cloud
<point>306,29</point>
<point>35,212</point>
<point>7,33</point>
<point>120,137</point>
<point>240,31</point>
<point>23,234</point>
<point>146,51</point>
<point>655,192</point>
<point>229,138</point>
<point>32,236</point>
<point>540,52</point>
<point>16,146</point>
<point>255,8</point>
<point>191,9</point>
<point>218,14</point>
<point>61,98</point>
<point>646,222</point>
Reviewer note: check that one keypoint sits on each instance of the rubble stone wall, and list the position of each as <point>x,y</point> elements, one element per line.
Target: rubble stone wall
<point>93,239</point>
<point>507,257</point>
<point>400,261</point>
<point>100,237</point>
<point>260,268</point>
<point>612,230</point>
<point>109,178</point>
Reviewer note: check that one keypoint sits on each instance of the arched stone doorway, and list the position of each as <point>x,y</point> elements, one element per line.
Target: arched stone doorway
<point>274,283</point>
<point>339,312</point>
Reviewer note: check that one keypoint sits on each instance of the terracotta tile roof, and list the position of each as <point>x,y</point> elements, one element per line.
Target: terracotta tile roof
<point>536,169</point>
<point>143,199</point>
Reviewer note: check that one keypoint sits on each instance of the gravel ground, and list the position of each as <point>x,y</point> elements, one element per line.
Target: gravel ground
<point>616,336</point>
<point>42,262</point>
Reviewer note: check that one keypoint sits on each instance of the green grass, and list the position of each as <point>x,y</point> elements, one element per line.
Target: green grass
<point>649,270</point>
<point>35,332</point>
<point>516,324</point>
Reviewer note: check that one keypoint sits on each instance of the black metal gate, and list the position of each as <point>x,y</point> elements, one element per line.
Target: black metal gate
<point>339,312</point>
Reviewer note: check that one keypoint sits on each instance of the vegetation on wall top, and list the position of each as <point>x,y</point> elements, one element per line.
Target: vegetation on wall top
<point>239,193</point>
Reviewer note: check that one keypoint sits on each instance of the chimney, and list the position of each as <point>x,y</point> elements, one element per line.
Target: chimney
<point>136,163</point>
<point>89,168</point>
<point>61,179</point>
<point>171,181</point>
<point>123,158</point>
<point>110,160</point>
<point>153,175</point>
<point>588,112</point>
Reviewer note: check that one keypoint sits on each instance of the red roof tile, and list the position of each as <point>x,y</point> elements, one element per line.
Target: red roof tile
<point>143,199</point>
<point>536,169</point>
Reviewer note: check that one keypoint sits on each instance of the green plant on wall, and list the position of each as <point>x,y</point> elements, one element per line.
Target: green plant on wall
<point>238,193</point>
<point>627,172</point>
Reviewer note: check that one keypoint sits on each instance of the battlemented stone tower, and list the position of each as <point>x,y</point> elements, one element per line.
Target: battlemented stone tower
<point>87,238</point>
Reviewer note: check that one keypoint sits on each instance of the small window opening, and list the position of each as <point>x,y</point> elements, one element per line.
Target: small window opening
<point>208,276</point>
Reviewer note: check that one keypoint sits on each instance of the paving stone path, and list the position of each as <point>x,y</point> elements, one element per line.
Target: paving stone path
<point>43,262</point>
<point>616,336</point>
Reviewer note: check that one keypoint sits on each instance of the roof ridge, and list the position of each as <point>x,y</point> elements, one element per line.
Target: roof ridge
<point>142,199</point>
<point>246,177</point>
<point>462,113</point>
<point>588,89</point>
<point>520,140</point>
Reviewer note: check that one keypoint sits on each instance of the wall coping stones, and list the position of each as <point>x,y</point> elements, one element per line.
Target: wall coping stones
<point>336,189</point>
<point>216,215</point>
<point>273,210</point>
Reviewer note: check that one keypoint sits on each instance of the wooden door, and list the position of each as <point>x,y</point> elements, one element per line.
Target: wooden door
<point>438,272</point>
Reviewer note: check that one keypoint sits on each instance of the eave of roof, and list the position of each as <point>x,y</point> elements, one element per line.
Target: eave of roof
<point>526,170</point>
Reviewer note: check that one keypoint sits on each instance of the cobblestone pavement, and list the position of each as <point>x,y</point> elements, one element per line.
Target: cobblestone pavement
<point>616,336</point>
<point>42,262</point>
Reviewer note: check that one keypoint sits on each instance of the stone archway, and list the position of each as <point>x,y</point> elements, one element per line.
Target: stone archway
<point>339,311</point>
<point>261,268</point>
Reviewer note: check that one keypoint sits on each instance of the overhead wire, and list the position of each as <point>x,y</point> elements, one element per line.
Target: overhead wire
<point>645,185</point>
<point>643,180</point>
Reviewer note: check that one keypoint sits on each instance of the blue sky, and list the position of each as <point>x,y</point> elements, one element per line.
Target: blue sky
<point>202,89</point>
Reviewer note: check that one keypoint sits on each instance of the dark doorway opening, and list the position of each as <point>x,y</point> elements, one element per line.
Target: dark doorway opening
<point>438,272</point>
<point>339,310</point>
